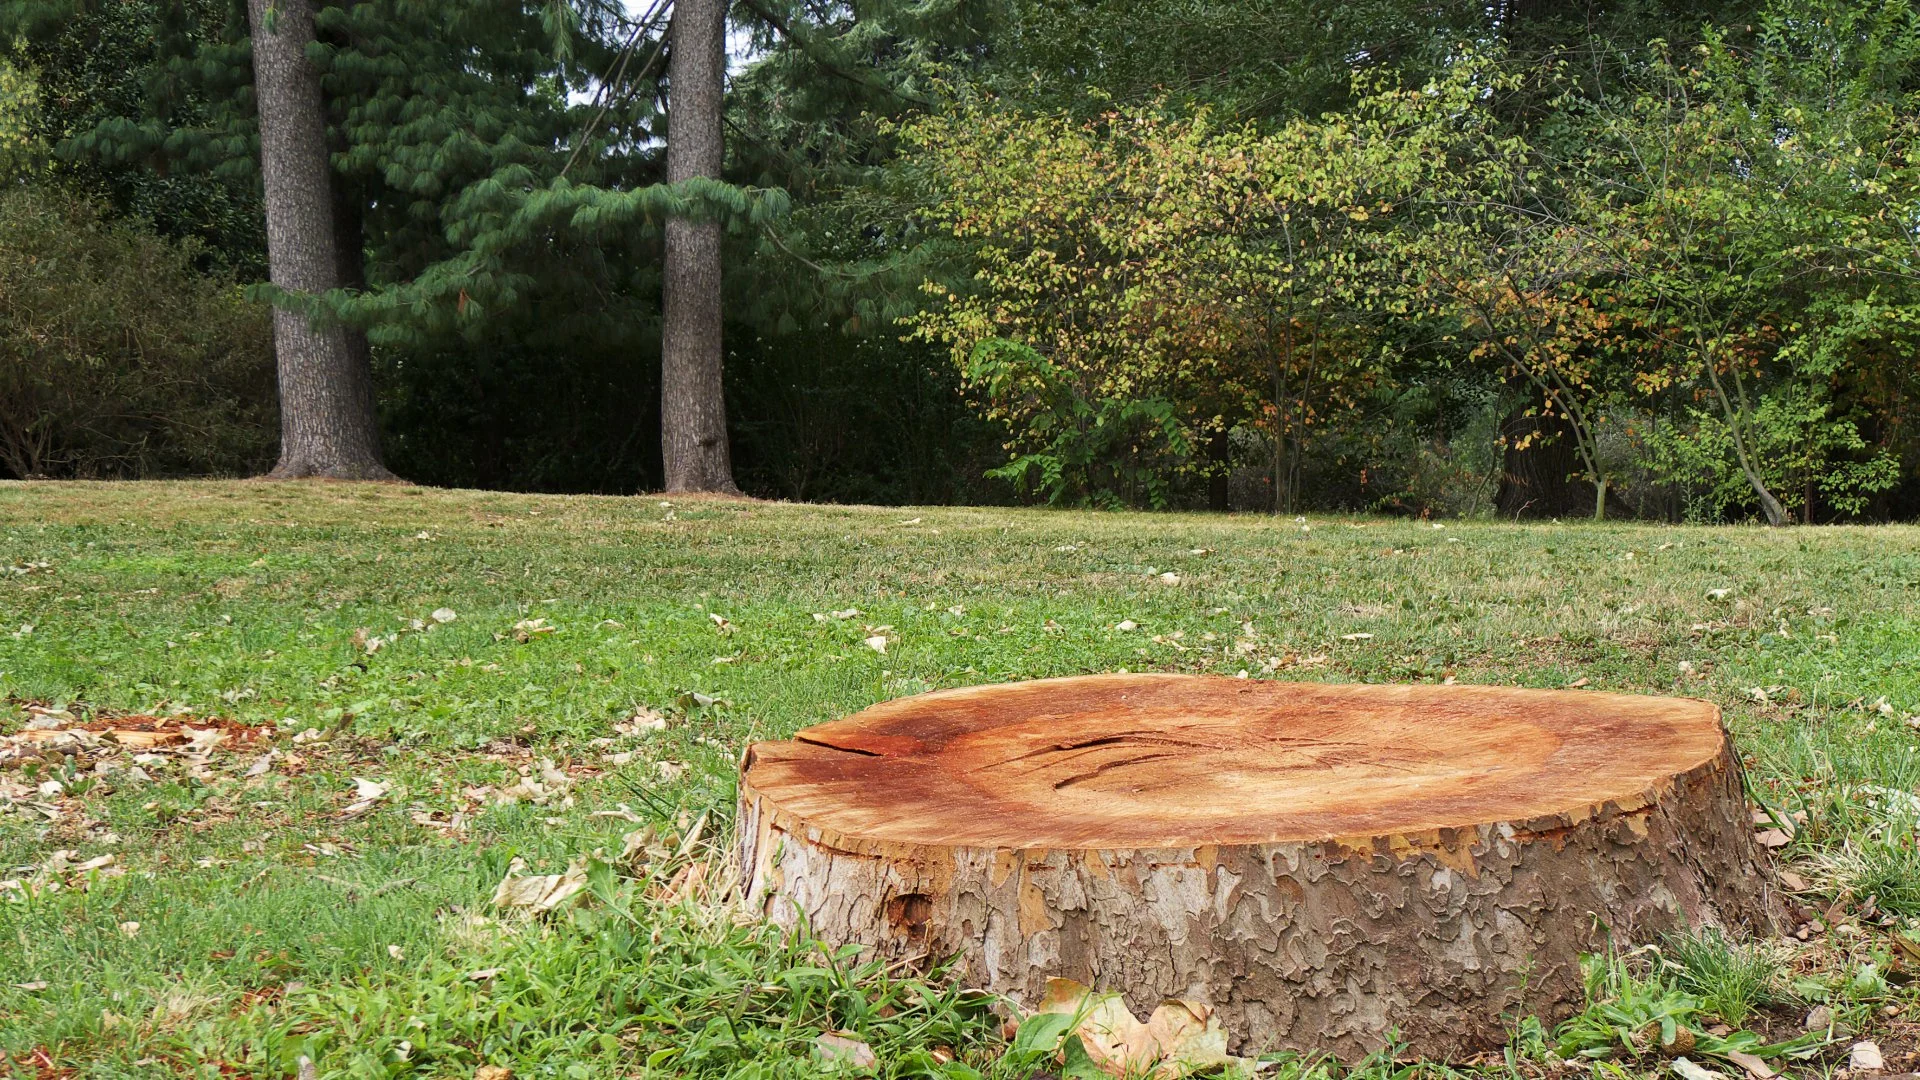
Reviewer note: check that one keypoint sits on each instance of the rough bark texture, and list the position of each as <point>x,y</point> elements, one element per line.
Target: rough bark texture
<point>1537,466</point>
<point>1325,865</point>
<point>327,426</point>
<point>693,411</point>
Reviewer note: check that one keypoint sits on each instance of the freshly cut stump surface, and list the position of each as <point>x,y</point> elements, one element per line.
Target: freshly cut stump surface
<point>1322,864</point>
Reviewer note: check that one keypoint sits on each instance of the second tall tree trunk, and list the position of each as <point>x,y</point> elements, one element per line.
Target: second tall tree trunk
<point>327,426</point>
<point>693,413</point>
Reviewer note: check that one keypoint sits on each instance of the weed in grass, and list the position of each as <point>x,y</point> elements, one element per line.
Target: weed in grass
<point>1729,978</point>
<point>1632,1009</point>
<point>1887,871</point>
<point>1637,1006</point>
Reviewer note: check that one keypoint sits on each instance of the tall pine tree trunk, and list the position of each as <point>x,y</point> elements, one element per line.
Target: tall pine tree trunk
<point>327,424</point>
<point>693,412</point>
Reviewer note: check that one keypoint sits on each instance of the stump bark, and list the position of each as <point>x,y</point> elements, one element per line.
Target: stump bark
<point>1329,867</point>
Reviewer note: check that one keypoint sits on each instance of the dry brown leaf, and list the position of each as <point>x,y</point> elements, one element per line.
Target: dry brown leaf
<point>527,629</point>
<point>203,740</point>
<point>1755,1067</point>
<point>540,893</point>
<point>1689,1070</point>
<point>1180,1037</point>
<point>1865,1056</point>
<point>644,721</point>
<point>838,1049</point>
<point>687,882</point>
<point>366,794</point>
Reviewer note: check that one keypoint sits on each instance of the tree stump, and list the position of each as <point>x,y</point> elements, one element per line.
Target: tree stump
<point>1327,866</point>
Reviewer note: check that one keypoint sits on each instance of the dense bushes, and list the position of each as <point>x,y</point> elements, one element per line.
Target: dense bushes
<point>1688,283</point>
<point>117,358</point>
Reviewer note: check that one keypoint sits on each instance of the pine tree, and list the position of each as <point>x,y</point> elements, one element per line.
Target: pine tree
<point>327,424</point>
<point>693,416</point>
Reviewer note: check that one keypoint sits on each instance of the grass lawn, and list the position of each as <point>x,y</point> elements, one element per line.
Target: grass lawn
<point>261,905</point>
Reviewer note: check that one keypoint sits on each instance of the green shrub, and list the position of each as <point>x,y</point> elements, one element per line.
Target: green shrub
<point>118,359</point>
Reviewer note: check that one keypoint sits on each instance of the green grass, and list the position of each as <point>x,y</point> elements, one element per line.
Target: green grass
<point>1729,978</point>
<point>274,926</point>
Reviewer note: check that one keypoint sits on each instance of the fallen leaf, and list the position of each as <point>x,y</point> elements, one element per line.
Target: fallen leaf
<point>1691,1071</point>
<point>443,615</point>
<point>1356,637</point>
<point>30,987</point>
<point>1180,1037</point>
<point>1126,626</point>
<point>98,862</point>
<point>203,740</point>
<point>130,928</point>
<point>878,643</point>
<point>1772,838</point>
<point>1188,1038</point>
<point>1865,1056</point>
<point>839,1050</point>
<point>1755,1067</point>
<point>493,1072</point>
<point>540,892</point>
<point>527,629</point>
<point>644,721</point>
<point>367,793</point>
<point>688,881</point>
